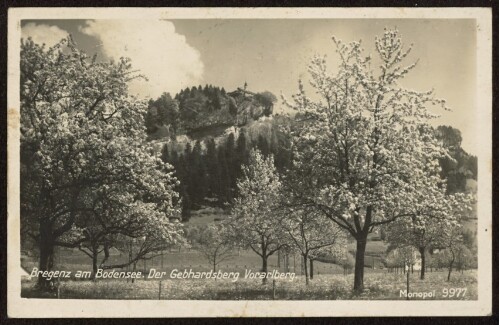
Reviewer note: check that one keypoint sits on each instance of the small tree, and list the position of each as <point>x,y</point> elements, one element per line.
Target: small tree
<point>432,211</point>
<point>392,260</point>
<point>116,223</point>
<point>214,244</point>
<point>451,241</point>
<point>431,217</point>
<point>401,257</point>
<point>312,234</point>
<point>408,257</point>
<point>255,221</point>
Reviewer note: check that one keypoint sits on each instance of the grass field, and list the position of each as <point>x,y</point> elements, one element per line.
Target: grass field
<point>329,283</point>
<point>381,286</point>
<point>73,260</point>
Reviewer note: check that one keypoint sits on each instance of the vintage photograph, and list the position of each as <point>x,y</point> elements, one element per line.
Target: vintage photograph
<point>238,157</point>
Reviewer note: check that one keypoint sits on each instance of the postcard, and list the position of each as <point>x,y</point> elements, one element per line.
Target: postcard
<point>236,162</point>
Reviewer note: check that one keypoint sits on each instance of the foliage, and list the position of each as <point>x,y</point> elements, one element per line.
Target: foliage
<point>465,258</point>
<point>366,141</point>
<point>435,216</point>
<point>403,257</point>
<point>119,220</point>
<point>313,235</point>
<point>255,220</point>
<point>213,242</point>
<point>196,109</point>
<point>458,166</point>
<point>163,111</point>
<point>208,172</point>
<point>82,135</point>
<point>267,100</point>
<point>454,253</point>
<point>436,211</point>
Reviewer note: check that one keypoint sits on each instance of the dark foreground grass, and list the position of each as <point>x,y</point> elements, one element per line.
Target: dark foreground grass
<point>378,286</point>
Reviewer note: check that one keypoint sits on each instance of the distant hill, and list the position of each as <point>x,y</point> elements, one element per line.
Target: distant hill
<point>207,134</point>
<point>198,112</point>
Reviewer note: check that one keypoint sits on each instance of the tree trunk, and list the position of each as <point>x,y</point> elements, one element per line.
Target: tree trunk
<point>423,262</point>
<point>358,283</point>
<point>46,258</point>
<point>133,270</point>
<point>94,263</point>
<point>450,270</point>
<point>264,268</point>
<point>106,255</point>
<point>214,266</point>
<point>129,258</point>
<point>407,284</point>
<point>305,268</point>
<point>311,269</point>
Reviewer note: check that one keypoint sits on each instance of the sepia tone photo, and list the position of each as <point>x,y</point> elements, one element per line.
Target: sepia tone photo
<point>249,161</point>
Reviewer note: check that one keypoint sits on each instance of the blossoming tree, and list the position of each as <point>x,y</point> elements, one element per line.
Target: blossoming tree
<point>115,218</point>
<point>451,242</point>
<point>365,139</point>
<point>312,235</point>
<point>433,218</point>
<point>80,132</point>
<point>255,221</point>
<point>215,245</point>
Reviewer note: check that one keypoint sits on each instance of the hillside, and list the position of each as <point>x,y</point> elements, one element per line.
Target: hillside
<point>267,127</point>
<point>207,134</point>
<point>198,112</point>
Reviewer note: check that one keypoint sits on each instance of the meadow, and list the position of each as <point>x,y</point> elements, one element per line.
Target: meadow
<point>378,286</point>
<point>74,260</point>
<point>181,258</point>
<point>329,281</point>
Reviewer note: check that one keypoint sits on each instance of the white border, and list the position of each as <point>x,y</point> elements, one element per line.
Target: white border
<point>21,307</point>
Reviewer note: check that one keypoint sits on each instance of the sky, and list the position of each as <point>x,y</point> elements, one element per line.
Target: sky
<point>273,54</point>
